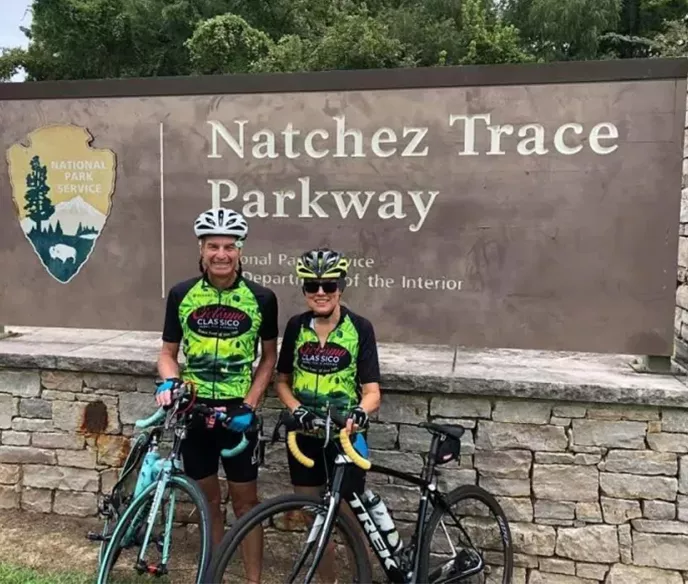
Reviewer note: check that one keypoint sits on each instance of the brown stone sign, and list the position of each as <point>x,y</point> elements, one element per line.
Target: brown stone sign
<point>502,206</point>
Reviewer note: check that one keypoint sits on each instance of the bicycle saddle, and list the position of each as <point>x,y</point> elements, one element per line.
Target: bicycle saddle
<point>455,431</point>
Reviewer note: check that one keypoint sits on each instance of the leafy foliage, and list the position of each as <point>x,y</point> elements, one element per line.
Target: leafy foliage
<point>80,39</point>
<point>673,42</point>
<point>226,44</point>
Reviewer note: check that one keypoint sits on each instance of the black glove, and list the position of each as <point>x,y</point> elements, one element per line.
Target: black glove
<point>304,418</point>
<point>359,417</point>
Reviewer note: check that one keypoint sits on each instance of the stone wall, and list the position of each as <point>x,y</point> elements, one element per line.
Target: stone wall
<point>594,492</point>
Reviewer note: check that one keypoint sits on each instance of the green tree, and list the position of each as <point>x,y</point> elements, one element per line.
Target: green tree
<point>38,205</point>
<point>358,41</point>
<point>11,61</point>
<point>428,37</point>
<point>87,39</point>
<point>642,22</point>
<point>485,40</point>
<point>81,39</point>
<point>290,54</point>
<point>563,30</point>
<point>354,41</point>
<point>226,44</point>
<point>673,42</point>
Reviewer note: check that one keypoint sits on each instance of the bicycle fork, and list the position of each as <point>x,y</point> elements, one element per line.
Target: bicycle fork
<point>320,530</point>
<point>141,564</point>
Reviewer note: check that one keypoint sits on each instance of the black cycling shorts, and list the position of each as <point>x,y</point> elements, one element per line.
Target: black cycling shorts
<point>202,445</point>
<point>323,470</point>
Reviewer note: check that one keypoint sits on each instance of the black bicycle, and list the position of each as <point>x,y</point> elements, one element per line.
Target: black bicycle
<point>474,544</point>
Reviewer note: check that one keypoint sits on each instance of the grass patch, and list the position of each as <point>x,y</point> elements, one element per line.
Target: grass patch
<point>12,574</point>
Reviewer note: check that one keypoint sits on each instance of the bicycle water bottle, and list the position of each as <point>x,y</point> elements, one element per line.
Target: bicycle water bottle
<point>383,520</point>
<point>149,470</point>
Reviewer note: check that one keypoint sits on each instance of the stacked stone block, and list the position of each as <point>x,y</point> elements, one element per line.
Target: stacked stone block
<point>594,492</point>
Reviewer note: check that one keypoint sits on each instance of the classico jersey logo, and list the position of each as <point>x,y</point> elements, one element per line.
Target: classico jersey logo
<point>62,189</point>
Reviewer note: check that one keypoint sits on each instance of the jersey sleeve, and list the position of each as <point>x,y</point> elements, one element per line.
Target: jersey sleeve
<point>269,329</point>
<point>172,328</point>
<point>285,363</point>
<point>368,362</point>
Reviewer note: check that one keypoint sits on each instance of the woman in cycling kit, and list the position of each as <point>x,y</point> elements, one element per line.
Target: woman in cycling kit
<point>328,355</point>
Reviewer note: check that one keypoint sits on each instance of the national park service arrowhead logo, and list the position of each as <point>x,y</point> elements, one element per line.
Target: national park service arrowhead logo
<point>62,189</point>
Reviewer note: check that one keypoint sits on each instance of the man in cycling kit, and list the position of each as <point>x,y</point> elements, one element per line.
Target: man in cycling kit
<point>218,319</point>
<point>328,354</point>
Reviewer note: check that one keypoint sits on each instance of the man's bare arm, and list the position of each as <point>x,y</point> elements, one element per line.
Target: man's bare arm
<point>264,371</point>
<point>168,364</point>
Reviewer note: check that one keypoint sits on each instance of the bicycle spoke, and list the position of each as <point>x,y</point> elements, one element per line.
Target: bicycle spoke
<point>290,540</point>
<point>160,539</point>
<point>467,544</point>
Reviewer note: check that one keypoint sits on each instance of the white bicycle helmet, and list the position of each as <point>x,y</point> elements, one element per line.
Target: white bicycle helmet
<point>221,222</point>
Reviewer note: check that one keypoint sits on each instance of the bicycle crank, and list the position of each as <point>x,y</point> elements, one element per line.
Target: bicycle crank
<point>153,569</point>
<point>465,564</point>
<point>93,536</point>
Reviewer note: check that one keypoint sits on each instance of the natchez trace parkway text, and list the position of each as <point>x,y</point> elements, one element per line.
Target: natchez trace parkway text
<point>409,142</point>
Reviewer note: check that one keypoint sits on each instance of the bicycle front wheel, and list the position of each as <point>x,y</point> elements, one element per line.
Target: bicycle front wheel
<point>467,541</point>
<point>286,530</point>
<point>169,537</point>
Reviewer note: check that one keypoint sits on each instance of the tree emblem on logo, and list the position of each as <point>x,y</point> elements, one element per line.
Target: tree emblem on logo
<point>62,190</point>
<point>38,206</point>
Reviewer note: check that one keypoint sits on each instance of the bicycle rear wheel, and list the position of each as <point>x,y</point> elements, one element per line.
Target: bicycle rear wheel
<point>290,531</point>
<point>469,541</point>
<point>177,536</point>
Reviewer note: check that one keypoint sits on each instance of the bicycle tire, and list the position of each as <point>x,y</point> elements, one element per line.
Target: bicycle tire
<point>234,536</point>
<point>453,497</point>
<point>193,491</point>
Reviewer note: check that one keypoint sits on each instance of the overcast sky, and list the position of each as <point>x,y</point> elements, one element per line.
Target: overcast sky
<point>15,13</point>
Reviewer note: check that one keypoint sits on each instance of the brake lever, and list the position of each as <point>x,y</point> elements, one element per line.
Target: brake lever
<point>276,436</point>
<point>172,412</point>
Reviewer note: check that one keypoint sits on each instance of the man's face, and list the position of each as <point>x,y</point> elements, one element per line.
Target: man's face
<point>322,296</point>
<point>220,255</point>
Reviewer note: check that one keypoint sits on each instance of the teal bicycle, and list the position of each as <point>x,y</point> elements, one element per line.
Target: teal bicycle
<point>154,507</point>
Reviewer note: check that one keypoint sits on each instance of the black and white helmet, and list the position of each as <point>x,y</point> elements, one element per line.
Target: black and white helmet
<point>221,222</point>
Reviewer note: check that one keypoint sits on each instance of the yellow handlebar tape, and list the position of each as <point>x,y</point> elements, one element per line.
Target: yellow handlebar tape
<point>298,455</point>
<point>357,459</point>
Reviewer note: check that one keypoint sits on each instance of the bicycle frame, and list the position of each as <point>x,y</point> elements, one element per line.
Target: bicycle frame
<point>163,471</point>
<point>170,465</point>
<point>391,566</point>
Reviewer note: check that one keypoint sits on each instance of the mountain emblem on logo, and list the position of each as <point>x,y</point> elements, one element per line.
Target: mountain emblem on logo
<point>62,190</point>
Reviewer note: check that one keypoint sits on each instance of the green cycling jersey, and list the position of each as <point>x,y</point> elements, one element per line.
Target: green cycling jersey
<point>329,373</point>
<point>219,332</point>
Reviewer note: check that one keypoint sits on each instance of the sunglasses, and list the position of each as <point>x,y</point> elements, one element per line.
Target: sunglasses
<point>328,286</point>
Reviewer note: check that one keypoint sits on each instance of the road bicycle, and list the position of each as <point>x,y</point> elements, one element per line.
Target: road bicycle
<point>457,558</point>
<point>152,488</point>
